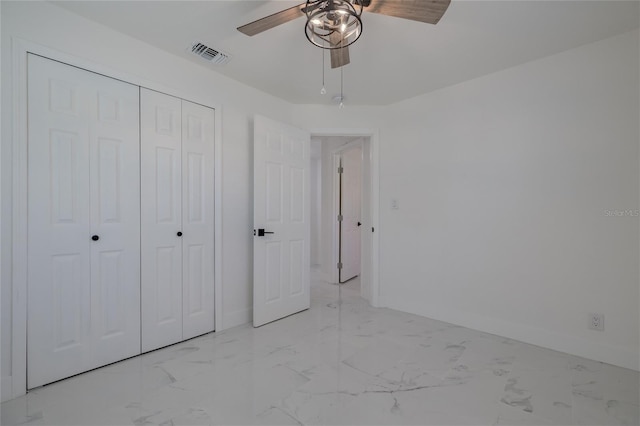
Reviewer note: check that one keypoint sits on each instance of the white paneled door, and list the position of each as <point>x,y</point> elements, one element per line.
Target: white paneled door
<point>83,221</point>
<point>281,221</point>
<point>177,146</point>
<point>350,210</point>
<point>197,219</point>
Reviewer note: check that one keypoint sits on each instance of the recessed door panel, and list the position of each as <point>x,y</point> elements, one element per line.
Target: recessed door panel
<point>297,257</point>
<point>197,184</point>
<point>297,194</point>
<point>195,127</point>
<point>297,149</point>
<point>108,107</point>
<point>63,95</point>
<point>273,193</point>
<point>167,117</point>
<point>194,288</point>
<point>274,142</point>
<point>65,173</point>
<point>273,268</point>
<point>165,276</point>
<point>112,286</point>
<point>167,169</point>
<point>110,175</point>
<point>68,300</point>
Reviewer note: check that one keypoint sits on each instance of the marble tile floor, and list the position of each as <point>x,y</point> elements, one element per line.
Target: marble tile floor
<point>341,363</point>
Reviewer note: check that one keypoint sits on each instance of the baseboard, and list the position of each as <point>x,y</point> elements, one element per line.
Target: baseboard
<point>233,319</point>
<point>6,392</point>
<point>615,355</point>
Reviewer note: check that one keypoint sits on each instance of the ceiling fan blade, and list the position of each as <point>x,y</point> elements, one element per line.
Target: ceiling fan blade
<point>271,21</point>
<point>429,11</point>
<point>339,57</point>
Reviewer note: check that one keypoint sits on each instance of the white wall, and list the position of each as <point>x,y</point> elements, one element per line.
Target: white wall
<point>58,29</point>
<point>503,184</point>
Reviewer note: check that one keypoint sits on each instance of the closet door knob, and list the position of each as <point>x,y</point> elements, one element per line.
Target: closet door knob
<point>95,238</point>
<point>179,234</point>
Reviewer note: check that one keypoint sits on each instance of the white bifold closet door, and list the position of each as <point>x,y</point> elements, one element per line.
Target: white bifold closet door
<point>177,145</point>
<point>83,221</point>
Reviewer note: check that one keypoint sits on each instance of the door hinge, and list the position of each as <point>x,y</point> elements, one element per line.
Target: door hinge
<point>340,218</point>
<point>340,265</point>
<point>340,169</point>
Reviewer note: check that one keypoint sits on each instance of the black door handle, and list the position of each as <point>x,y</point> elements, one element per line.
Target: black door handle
<point>95,238</point>
<point>262,232</point>
<point>179,234</point>
<point>359,224</point>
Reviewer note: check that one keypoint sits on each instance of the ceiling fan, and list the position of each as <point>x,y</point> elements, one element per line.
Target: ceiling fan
<point>335,24</point>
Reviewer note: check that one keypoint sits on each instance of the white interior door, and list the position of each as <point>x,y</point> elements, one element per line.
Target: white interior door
<point>281,209</point>
<point>161,213</point>
<point>350,205</point>
<point>83,221</point>
<point>197,219</point>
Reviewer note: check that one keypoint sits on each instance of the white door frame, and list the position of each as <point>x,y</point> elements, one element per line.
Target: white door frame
<point>374,167</point>
<point>16,385</point>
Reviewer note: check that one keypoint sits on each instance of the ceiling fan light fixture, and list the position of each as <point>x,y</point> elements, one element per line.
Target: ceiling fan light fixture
<point>327,17</point>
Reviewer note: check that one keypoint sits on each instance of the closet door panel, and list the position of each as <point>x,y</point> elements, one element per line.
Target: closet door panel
<point>115,212</point>
<point>197,217</point>
<point>65,308</point>
<point>161,215</point>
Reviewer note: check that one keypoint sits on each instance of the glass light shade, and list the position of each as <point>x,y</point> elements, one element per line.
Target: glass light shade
<point>333,24</point>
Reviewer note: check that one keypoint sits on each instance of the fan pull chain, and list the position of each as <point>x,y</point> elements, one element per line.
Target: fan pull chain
<point>323,91</point>
<point>342,87</point>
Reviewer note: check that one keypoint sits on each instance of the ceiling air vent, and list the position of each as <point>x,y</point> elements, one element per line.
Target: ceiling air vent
<point>210,55</point>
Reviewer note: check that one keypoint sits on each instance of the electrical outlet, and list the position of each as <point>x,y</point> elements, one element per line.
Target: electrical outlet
<point>596,321</point>
<point>394,204</point>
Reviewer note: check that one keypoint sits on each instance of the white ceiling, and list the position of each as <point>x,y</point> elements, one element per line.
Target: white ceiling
<point>394,59</point>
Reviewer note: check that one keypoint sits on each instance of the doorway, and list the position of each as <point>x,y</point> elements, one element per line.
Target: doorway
<point>285,197</point>
<point>341,211</point>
